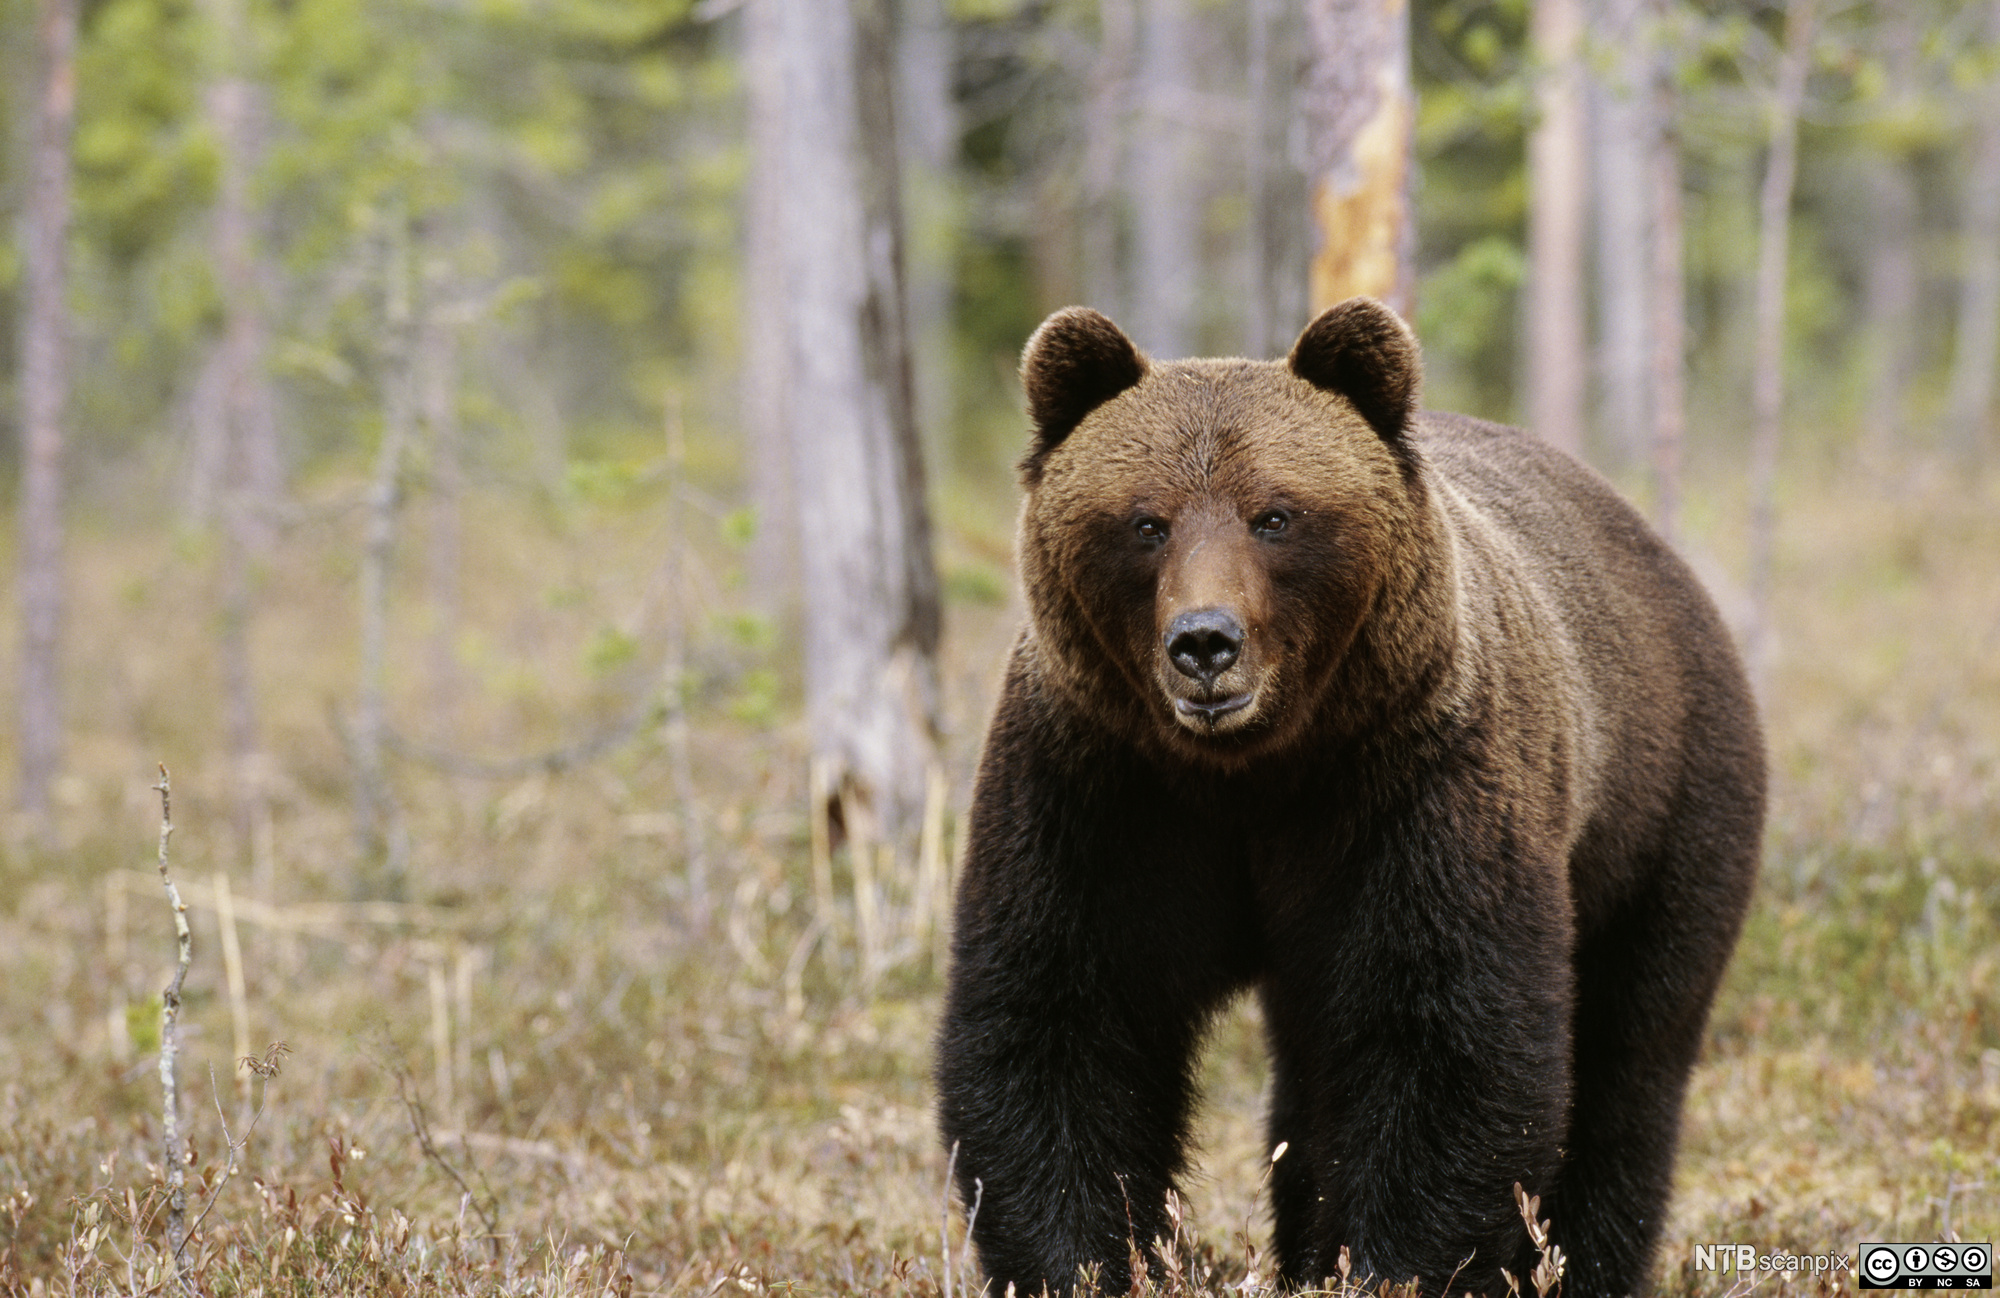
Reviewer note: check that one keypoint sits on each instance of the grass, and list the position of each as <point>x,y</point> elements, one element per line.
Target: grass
<point>525,1074</point>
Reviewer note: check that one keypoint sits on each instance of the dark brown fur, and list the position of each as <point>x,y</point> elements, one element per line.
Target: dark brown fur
<point>1475,806</point>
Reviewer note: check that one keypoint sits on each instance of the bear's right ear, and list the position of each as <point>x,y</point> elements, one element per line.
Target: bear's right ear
<point>1074,363</point>
<point>1363,350</point>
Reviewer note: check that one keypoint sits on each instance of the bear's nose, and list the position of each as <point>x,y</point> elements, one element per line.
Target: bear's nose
<point>1204,643</point>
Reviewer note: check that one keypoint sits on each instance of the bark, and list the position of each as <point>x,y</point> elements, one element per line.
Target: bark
<point>1104,149</point>
<point>1889,289</point>
<point>44,392</point>
<point>1621,127</point>
<point>1891,279</point>
<point>437,361</point>
<point>1668,289</point>
<point>1556,348</point>
<point>1165,192</point>
<point>237,462</point>
<point>927,127</point>
<point>871,595</point>
<point>1359,116</point>
<point>1773,250</point>
<point>680,759</point>
<point>766,385</point>
<point>1978,334</point>
<point>377,820</point>
<point>255,471</point>
<point>249,810</point>
<point>1279,238</point>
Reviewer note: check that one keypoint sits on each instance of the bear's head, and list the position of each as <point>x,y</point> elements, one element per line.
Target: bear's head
<point>1205,542</point>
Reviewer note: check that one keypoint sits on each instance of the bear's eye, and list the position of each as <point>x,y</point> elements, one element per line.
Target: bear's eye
<point>1152,529</point>
<point>1270,522</point>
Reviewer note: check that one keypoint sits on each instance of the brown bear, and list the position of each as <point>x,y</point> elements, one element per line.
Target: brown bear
<point>1402,719</point>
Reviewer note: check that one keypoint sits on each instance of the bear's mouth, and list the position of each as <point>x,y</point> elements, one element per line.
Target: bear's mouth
<point>1207,712</point>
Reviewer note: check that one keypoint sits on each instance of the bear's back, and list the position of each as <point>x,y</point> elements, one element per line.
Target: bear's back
<point>1665,699</point>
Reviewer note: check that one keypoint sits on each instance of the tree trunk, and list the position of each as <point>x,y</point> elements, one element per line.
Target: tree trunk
<point>1104,146</point>
<point>1668,290</point>
<point>1622,125</point>
<point>872,611</point>
<point>1891,279</point>
<point>1889,284</point>
<point>1359,115</point>
<point>766,377</point>
<point>247,479</point>
<point>1279,235</point>
<point>1165,192</point>
<point>1556,348</point>
<point>1978,334</point>
<point>379,831</point>
<point>44,391</point>
<point>927,126</point>
<point>1768,392</point>
<point>438,367</point>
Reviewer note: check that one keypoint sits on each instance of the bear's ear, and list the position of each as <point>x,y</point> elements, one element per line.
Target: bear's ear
<point>1074,363</point>
<point>1363,350</point>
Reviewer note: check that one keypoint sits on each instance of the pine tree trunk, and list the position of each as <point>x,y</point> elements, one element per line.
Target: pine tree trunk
<point>248,481</point>
<point>1773,252</point>
<point>44,391</point>
<point>1556,347</point>
<point>1889,286</point>
<point>1105,128</point>
<point>1360,113</point>
<point>1279,235</point>
<point>872,613</point>
<point>1165,192</point>
<point>437,364</point>
<point>1891,279</point>
<point>766,377</point>
<point>1978,334</point>
<point>1622,122</point>
<point>927,127</point>
<point>1667,293</point>
<point>379,831</point>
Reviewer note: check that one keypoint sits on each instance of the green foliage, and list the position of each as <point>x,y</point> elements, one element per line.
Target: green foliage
<point>614,650</point>
<point>144,162</point>
<point>1472,108</point>
<point>142,1023</point>
<point>758,696</point>
<point>739,526</point>
<point>604,482</point>
<point>1465,314</point>
<point>751,631</point>
<point>973,583</point>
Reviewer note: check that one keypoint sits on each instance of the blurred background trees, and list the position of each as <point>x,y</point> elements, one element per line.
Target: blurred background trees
<point>43,378</point>
<point>346,273</point>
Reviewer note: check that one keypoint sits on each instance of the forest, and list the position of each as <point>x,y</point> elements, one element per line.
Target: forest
<point>510,516</point>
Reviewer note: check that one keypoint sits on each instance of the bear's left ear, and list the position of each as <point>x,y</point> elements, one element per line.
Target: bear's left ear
<point>1074,363</point>
<point>1363,350</point>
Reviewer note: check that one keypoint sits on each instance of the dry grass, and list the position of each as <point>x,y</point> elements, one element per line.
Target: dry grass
<point>614,1103</point>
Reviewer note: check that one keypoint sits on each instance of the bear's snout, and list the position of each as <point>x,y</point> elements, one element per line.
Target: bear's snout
<point>1204,644</point>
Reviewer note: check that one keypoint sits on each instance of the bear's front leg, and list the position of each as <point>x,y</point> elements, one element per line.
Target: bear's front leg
<point>1070,1118</point>
<point>1092,943</point>
<point>1419,1019</point>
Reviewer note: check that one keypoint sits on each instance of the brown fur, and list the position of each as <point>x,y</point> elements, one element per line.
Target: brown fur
<point>1475,804</point>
